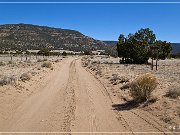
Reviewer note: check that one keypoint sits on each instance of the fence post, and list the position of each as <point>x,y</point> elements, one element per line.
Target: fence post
<point>152,64</point>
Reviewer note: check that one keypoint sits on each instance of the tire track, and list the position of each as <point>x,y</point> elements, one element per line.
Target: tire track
<point>148,118</point>
<point>118,114</point>
<point>41,111</point>
<point>123,120</point>
<point>69,100</point>
<point>93,114</point>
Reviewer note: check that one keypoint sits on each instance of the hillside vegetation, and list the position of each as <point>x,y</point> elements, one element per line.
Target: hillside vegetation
<point>27,36</point>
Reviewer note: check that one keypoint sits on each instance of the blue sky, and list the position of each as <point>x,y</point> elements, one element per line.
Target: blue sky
<point>100,21</point>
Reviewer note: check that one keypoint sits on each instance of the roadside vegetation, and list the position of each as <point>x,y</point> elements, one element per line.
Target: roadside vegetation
<point>173,92</point>
<point>136,86</point>
<point>138,48</point>
<point>47,64</point>
<point>17,69</point>
<point>142,87</point>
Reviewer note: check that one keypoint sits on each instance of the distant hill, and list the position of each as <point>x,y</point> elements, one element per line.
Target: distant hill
<point>110,42</point>
<point>175,46</point>
<point>27,36</point>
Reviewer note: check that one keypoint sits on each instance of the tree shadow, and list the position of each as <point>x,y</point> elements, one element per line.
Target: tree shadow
<point>126,106</point>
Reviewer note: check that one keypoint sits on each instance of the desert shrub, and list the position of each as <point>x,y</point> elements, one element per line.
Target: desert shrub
<point>142,87</point>
<point>64,53</point>
<point>98,72</point>
<point>85,64</point>
<point>110,62</point>
<point>125,86</point>
<point>85,61</point>
<point>2,63</point>
<point>173,92</point>
<point>10,62</point>
<point>47,64</point>
<point>105,62</point>
<point>20,62</point>
<point>41,60</point>
<point>7,80</point>
<point>178,111</point>
<point>87,53</point>
<point>95,62</point>
<point>123,79</point>
<point>45,52</point>
<point>114,79</point>
<point>25,77</point>
<point>29,61</point>
<point>104,57</point>
<point>118,79</point>
<point>33,73</point>
<point>58,60</point>
<point>44,60</point>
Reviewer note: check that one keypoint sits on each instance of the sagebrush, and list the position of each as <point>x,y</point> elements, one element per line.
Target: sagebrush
<point>47,64</point>
<point>141,88</point>
<point>173,92</point>
<point>8,80</point>
<point>25,77</point>
<point>2,63</point>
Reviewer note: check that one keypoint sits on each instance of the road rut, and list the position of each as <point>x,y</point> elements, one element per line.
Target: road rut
<point>72,100</point>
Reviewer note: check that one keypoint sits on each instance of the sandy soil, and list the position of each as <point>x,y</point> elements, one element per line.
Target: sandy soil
<point>70,99</point>
<point>110,73</point>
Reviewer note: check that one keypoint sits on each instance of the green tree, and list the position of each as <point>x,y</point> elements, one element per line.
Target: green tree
<point>45,52</point>
<point>18,52</point>
<point>64,53</point>
<point>135,47</point>
<point>121,47</point>
<point>27,52</point>
<point>142,40</point>
<point>87,52</point>
<point>164,48</point>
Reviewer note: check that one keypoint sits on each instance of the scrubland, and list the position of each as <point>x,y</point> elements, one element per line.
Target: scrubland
<point>21,69</point>
<point>88,94</point>
<point>164,100</point>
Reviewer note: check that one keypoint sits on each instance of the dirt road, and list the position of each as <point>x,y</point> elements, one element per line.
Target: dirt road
<point>70,99</point>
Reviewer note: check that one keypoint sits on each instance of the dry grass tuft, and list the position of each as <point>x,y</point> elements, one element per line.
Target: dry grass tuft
<point>2,63</point>
<point>118,79</point>
<point>98,72</point>
<point>10,62</point>
<point>174,92</point>
<point>114,79</point>
<point>95,62</point>
<point>58,60</point>
<point>142,87</point>
<point>41,60</point>
<point>123,79</point>
<point>47,64</point>
<point>25,77</point>
<point>8,80</point>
